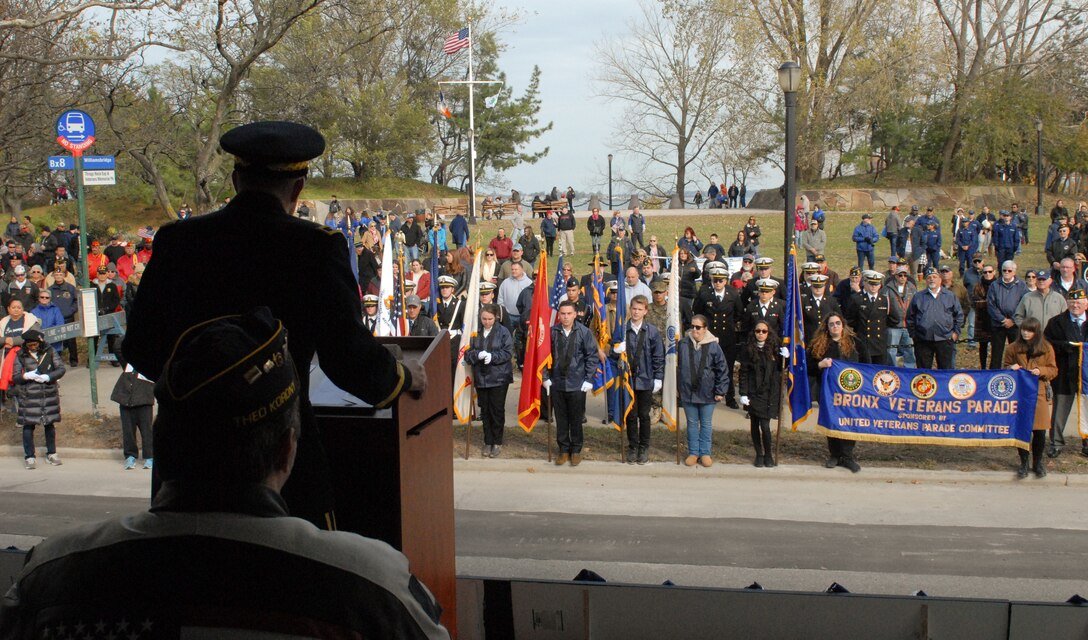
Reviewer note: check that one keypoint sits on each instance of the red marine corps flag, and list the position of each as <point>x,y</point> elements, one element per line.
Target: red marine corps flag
<point>538,350</point>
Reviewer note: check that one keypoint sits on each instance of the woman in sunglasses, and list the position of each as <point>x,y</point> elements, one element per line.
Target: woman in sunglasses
<point>761,388</point>
<point>834,341</point>
<point>701,382</point>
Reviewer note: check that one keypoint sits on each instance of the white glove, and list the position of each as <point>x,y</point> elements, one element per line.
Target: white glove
<point>744,401</point>
<point>784,352</point>
<point>44,377</point>
<point>547,386</point>
<point>620,347</point>
<point>587,387</point>
<point>657,386</point>
<point>486,357</point>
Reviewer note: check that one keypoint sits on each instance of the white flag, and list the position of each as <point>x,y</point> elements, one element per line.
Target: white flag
<point>672,335</point>
<point>491,101</point>
<point>386,327</point>
<point>464,393</point>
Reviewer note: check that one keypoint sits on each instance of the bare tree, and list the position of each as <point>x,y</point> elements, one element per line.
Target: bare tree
<point>224,45</point>
<point>1000,36</point>
<point>664,71</point>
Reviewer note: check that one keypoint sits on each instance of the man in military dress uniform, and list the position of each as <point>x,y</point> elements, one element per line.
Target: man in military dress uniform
<point>766,308</point>
<point>451,308</point>
<point>816,305</point>
<point>720,303</point>
<point>764,267</point>
<point>583,311</point>
<point>317,300</point>
<point>867,315</point>
<point>808,269</point>
<point>487,296</point>
<point>370,313</point>
<point>658,315</point>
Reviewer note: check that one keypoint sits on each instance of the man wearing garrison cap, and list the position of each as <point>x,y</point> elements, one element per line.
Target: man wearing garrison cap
<point>317,300</point>
<point>223,558</point>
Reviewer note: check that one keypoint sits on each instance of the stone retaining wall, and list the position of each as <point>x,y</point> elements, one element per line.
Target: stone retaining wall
<point>320,208</point>
<point>878,200</point>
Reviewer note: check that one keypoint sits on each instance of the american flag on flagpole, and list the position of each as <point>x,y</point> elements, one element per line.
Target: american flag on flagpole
<point>456,42</point>
<point>559,291</point>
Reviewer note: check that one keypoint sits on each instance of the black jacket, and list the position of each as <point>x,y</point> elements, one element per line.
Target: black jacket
<point>574,358</point>
<point>1060,331</point>
<point>761,380</point>
<point>722,315</point>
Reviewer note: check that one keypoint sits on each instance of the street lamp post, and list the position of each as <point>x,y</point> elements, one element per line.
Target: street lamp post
<point>610,181</point>
<point>789,79</point>
<point>1038,166</point>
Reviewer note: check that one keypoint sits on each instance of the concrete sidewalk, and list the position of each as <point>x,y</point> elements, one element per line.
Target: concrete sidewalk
<point>75,390</point>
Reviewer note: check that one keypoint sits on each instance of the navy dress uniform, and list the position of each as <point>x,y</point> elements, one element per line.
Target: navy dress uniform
<point>868,315</point>
<point>772,311</point>
<point>816,304</point>
<point>751,289</point>
<point>450,308</point>
<point>317,300</point>
<point>808,269</point>
<point>370,304</point>
<point>722,308</point>
<point>487,290</point>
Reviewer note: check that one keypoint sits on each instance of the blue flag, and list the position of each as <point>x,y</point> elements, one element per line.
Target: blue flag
<point>596,297</point>
<point>434,277</point>
<point>622,398</point>
<point>793,338</point>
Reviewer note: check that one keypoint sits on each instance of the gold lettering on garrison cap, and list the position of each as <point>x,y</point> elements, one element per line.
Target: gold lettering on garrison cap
<point>234,369</point>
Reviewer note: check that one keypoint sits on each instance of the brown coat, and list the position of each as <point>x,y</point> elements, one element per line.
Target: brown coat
<point>1048,369</point>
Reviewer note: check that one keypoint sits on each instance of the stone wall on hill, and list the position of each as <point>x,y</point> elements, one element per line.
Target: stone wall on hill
<point>876,200</point>
<point>320,208</point>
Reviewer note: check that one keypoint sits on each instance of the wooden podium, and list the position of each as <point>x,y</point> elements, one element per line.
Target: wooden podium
<point>393,468</point>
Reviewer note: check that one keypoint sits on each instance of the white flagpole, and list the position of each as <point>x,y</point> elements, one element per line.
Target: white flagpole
<point>471,133</point>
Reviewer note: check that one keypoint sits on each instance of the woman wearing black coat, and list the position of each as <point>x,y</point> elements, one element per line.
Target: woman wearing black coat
<point>835,341</point>
<point>490,353</point>
<point>740,246</point>
<point>689,275</point>
<point>761,388</point>
<point>35,373</point>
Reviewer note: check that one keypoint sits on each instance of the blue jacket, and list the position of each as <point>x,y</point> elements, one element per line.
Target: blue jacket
<point>694,247</point>
<point>1006,236</point>
<point>437,238</point>
<point>1001,299</point>
<point>583,360</point>
<point>865,236</point>
<point>967,236</point>
<point>651,360</point>
<point>933,240</point>
<point>65,298</point>
<point>917,242</point>
<point>712,378</point>
<point>459,229</point>
<point>934,319</point>
<point>547,228</point>
<point>50,316</point>
<point>500,344</point>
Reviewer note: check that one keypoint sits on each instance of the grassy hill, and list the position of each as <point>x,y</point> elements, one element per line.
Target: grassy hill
<point>109,212</point>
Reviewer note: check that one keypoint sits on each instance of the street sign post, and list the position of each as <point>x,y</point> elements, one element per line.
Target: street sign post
<point>75,132</point>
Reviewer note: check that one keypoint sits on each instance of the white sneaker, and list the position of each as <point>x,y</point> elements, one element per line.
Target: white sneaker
<point>30,463</point>
<point>53,459</point>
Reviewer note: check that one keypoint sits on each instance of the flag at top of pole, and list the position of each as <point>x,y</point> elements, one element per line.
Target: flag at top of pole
<point>456,42</point>
<point>793,338</point>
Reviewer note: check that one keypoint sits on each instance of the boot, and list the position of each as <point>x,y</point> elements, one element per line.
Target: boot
<point>1040,468</point>
<point>768,460</point>
<point>1022,471</point>
<point>759,461</point>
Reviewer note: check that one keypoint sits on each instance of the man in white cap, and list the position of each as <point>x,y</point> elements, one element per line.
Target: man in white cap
<point>765,308</point>
<point>868,315</point>
<point>720,304</point>
<point>370,312</point>
<point>816,304</point>
<point>451,308</point>
<point>764,267</point>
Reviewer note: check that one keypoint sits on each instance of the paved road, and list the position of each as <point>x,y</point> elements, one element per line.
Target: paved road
<point>881,531</point>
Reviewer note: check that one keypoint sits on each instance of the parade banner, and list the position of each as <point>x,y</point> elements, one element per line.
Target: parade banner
<point>961,408</point>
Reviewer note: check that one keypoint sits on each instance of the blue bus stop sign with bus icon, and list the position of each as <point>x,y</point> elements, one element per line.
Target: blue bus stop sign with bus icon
<point>75,131</point>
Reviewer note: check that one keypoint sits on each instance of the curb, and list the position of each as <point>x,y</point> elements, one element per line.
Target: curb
<point>812,473</point>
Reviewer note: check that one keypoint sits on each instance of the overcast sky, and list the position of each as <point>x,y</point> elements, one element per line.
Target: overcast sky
<point>559,36</point>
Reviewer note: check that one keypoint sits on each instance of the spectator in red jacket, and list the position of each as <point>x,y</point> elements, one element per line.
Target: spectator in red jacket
<point>501,245</point>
